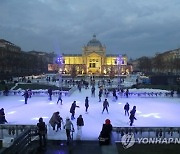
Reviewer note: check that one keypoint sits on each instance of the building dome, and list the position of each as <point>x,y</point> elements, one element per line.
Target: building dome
<point>94,42</point>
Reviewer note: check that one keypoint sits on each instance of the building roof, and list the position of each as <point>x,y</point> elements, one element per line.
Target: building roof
<point>94,42</point>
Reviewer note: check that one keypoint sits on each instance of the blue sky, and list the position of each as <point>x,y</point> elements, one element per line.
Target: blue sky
<point>133,27</point>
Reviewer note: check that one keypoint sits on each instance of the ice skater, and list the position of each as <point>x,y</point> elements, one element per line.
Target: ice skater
<point>69,127</point>
<point>86,104</point>
<point>50,94</point>
<point>100,94</point>
<point>132,115</point>
<point>93,91</point>
<point>105,106</point>
<point>59,98</point>
<point>126,109</point>
<point>72,110</point>
<point>26,96</point>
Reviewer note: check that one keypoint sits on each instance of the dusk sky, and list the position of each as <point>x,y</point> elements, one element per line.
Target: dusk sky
<point>133,27</point>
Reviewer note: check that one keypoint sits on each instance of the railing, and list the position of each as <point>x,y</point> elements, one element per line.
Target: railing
<point>146,132</point>
<point>22,137</point>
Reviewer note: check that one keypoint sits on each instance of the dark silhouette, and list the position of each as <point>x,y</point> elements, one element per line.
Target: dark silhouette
<point>59,98</point>
<point>72,110</point>
<point>126,108</point>
<point>86,104</point>
<point>50,94</point>
<point>105,134</point>
<point>105,106</point>
<point>2,117</point>
<point>42,131</point>
<point>26,96</point>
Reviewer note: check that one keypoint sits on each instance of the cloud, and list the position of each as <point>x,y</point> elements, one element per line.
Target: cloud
<point>137,28</point>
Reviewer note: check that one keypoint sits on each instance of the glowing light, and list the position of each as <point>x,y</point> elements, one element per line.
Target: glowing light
<point>12,112</point>
<point>119,103</point>
<point>51,103</point>
<point>21,100</point>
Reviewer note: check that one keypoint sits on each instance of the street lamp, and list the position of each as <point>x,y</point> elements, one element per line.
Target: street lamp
<point>60,61</point>
<point>119,61</point>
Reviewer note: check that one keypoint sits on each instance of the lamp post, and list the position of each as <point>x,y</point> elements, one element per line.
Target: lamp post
<point>60,63</point>
<point>119,61</point>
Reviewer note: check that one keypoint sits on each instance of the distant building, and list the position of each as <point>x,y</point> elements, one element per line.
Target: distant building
<point>14,62</point>
<point>9,46</point>
<point>94,60</point>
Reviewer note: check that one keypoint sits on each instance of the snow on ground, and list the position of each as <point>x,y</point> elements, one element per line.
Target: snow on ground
<point>151,111</point>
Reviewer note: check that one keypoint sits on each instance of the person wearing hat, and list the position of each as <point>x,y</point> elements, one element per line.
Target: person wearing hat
<point>105,134</point>
<point>69,127</point>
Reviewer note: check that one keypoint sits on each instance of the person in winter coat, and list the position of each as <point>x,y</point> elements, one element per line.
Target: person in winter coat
<point>80,122</point>
<point>105,134</point>
<point>86,104</point>
<point>69,127</point>
<point>126,109</point>
<point>42,131</point>
<point>26,96</point>
<point>50,94</point>
<point>114,94</point>
<point>60,120</point>
<point>72,109</point>
<point>100,94</point>
<point>54,120</point>
<point>2,116</point>
<point>131,118</point>
<point>59,98</point>
<point>105,106</point>
<point>133,111</point>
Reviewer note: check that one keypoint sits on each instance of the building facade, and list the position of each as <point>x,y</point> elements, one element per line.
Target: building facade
<point>94,60</point>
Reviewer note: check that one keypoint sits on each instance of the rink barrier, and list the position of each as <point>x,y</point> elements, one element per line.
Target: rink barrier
<point>37,92</point>
<point>146,132</point>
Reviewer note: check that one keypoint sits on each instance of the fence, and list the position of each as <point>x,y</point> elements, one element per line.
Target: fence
<point>146,132</point>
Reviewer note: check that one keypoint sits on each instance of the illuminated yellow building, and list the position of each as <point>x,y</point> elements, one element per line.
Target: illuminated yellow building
<point>94,60</point>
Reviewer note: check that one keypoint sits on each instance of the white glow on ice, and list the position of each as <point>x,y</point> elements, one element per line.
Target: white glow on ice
<point>138,112</point>
<point>155,115</point>
<point>119,103</point>
<point>51,103</point>
<point>12,112</point>
<point>21,100</point>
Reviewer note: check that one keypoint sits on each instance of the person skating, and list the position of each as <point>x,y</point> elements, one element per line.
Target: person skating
<point>42,131</point>
<point>132,115</point>
<point>72,109</point>
<point>131,118</point>
<point>69,127</point>
<point>26,96</point>
<point>50,94</point>
<point>54,120</point>
<point>86,104</point>
<point>105,106</point>
<point>127,93</point>
<point>59,98</point>
<point>93,91</point>
<point>100,94</point>
<point>126,108</point>
<point>133,111</point>
<point>114,94</point>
